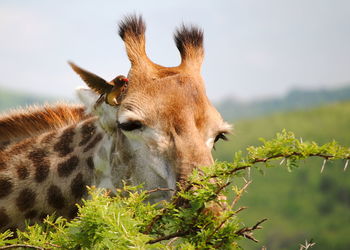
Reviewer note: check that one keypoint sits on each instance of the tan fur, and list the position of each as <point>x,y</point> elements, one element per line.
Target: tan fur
<point>173,98</point>
<point>45,174</point>
<point>22,123</point>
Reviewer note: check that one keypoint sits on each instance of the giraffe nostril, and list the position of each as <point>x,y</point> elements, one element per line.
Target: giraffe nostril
<point>178,129</point>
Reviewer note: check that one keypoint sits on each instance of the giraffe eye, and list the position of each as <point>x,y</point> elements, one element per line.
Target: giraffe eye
<point>130,125</point>
<point>220,136</point>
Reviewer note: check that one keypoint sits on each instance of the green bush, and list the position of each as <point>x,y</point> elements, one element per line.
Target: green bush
<point>189,221</point>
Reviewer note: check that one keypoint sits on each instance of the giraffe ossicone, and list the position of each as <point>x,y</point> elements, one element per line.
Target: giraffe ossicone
<point>154,132</point>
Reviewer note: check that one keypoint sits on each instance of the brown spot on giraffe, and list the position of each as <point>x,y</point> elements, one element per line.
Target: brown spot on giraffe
<point>25,199</point>
<point>22,172</point>
<point>88,130</point>
<point>78,186</point>
<point>73,212</point>
<point>4,218</point>
<point>4,144</point>
<point>31,214</point>
<point>55,197</point>
<point>93,143</point>
<point>37,155</point>
<point>90,163</point>
<point>67,167</point>
<point>41,164</point>
<point>5,186</point>
<point>3,165</point>
<point>63,147</point>
<point>41,172</point>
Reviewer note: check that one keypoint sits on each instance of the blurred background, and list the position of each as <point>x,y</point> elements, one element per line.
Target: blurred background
<point>269,65</point>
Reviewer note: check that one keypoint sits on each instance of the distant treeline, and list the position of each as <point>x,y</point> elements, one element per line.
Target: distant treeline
<point>230,108</point>
<point>234,110</point>
<point>10,99</point>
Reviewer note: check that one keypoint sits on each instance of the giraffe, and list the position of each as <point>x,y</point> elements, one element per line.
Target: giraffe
<point>153,130</point>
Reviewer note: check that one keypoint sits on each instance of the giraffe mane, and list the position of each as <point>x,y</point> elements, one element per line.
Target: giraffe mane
<point>21,123</point>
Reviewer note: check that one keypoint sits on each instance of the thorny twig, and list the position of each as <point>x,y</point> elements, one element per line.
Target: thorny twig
<point>346,164</point>
<point>247,232</point>
<point>21,246</point>
<point>307,245</point>
<point>159,189</point>
<point>223,222</point>
<point>263,160</point>
<point>240,192</point>
<point>172,241</point>
<point>168,237</point>
<point>54,245</point>
<point>323,165</point>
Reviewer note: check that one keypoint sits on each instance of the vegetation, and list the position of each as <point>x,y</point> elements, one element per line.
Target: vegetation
<point>303,204</point>
<point>189,221</point>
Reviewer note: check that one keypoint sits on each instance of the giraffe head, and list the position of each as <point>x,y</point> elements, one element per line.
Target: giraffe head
<point>163,122</point>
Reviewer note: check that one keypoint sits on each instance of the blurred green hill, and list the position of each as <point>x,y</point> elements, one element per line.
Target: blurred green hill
<point>234,110</point>
<point>12,99</point>
<point>304,204</point>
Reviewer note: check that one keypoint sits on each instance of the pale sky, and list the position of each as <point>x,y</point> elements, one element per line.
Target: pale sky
<point>254,48</point>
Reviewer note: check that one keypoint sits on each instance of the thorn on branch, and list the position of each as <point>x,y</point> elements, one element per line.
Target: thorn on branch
<point>172,241</point>
<point>240,210</point>
<point>54,245</point>
<point>247,232</point>
<point>282,161</point>
<point>159,189</point>
<point>257,225</point>
<point>346,164</point>
<point>222,187</point>
<point>240,192</point>
<point>307,245</point>
<point>323,165</point>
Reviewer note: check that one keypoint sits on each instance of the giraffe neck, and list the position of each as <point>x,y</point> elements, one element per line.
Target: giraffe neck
<point>49,173</point>
<point>102,161</point>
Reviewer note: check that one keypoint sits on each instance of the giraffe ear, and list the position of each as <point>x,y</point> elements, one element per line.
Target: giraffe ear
<point>87,96</point>
<point>95,82</point>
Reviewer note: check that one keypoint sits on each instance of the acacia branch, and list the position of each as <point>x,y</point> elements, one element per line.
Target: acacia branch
<point>179,201</point>
<point>159,189</point>
<point>221,224</point>
<point>238,196</point>
<point>168,237</point>
<point>273,157</point>
<point>22,246</point>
